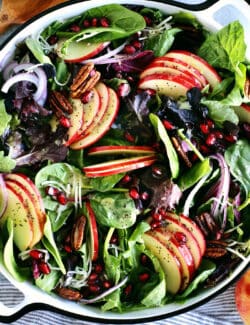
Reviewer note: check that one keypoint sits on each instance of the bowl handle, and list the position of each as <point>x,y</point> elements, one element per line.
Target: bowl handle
<point>7,312</point>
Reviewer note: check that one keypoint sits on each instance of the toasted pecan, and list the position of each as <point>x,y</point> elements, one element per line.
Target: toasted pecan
<point>60,104</point>
<point>77,233</point>
<point>68,293</point>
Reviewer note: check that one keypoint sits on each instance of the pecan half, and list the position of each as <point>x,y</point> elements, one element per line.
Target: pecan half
<point>60,104</point>
<point>177,144</point>
<point>247,88</point>
<point>207,224</point>
<point>68,293</point>
<point>77,233</point>
<point>215,249</point>
<point>85,80</point>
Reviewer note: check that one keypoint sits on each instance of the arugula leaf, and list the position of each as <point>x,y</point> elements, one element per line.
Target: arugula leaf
<point>170,150</point>
<point>226,48</point>
<point>7,164</point>
<point>162,42</point>
<point>237,157</point>
<point>5,118</point>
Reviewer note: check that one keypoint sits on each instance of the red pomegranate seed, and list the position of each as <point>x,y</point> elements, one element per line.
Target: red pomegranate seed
<point>218,134</point>
<point>123,90</point>
<point>157,216</point>
<point>155,224</point>
<point>44,267</point>
<point>156,171</point>
<point>231,138</point>
<point>86,96</point>
<point>148,20</point>
<point>162,212</point>
<point>98,268</point>
<point>35,269</point>
<point>144,259</point>
<point>210,123</point>
<point>150,92</point>
<point>67,248</point>
<point>134,194</point>
<point>211,139</point>
<point>143,277</point>
<point>75,28</point>
<point>126,179</point>
<point>106,284</point>
<point>36,254</point>
<point>86,23</point>
<point>114,239</point>
<point>168,125</point>
<point>61,198</point>
<point>128,289</point>
<point>137,44</point>
<point>94,288</point>
<point>129,49</point>
<point>52,39</point>
<point>104,22</point>
<point>180,237</point>
<point>204,149</point>
<point>93,277</point>
<point>50,190</point>
<point>144,196</point>
<point>65,122</point>
<point>129,137</point>
<point>94,22</point>
<point>204,128</point>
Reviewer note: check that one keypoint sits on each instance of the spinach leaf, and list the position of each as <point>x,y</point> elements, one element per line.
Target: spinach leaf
<point>35,47</point>
<point>5,118</point>
<point>7,164</point>
<point>194,174</point>
<point>122,23</point>
<point>237,157</point>
<point>226,48</point>
<point>114,209</point>
<point>47,283</point>
<point>186,18</point>
<point>104,184</point>
<point>162,42</point>
<point>170,150</point>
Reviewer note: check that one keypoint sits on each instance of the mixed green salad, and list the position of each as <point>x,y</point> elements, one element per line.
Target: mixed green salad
<point>125,157</point>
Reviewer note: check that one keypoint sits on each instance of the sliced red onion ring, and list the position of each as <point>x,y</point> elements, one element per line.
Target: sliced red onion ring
<point>3,196</point>
<point>8,70</point>
<point>19,77</point>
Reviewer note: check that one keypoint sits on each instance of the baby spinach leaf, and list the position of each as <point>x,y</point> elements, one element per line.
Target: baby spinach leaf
<point>5,118</point>
<point>237,157</point>
<point>104,184</point>
<point>170,150</point>
<point>194,174</point>
<point>47,283</point>
<point>226,48</point>
<point>162,42</point>
<point>114,209</point>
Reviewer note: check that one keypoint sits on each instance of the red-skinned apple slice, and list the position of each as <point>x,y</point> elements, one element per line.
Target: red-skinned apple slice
<point>80,51</point>
<point>82,116</point>
<point>94,240</point>
<point>170,71</point>
<point>25,182</point>
<point>197,62</point>
<point>168,85</point>
<point>192,227</point>
<point>33,214</point>
<point>18,212</point>
<point>180,66</point>
<point>242,296</point>
<point>101,124</point>
<point>3,196</point>
<point>118,166</point>
<point>118,150</point>
<point>180,249</point>
<point>168,260</point>
<point>173,225</point>
<point>243,112</point>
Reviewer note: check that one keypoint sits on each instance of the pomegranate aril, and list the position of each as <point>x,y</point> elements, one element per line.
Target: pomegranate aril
<point>204,128</point>
<point>143,277</point>
<point>44,267</point>
<point>94,288</point>
<point>231,138</point>
<point>144,259</point>
<point>65,122</point>
<point>94,22</point>
<point>137,44</point>
<point>104,22</point>
<point>155,224</point>
<point>98,268</point>
<point>50,190</point>
<point>114,239</point>
<point>93,277</point>
<point>157,216</point>
<point>211,139</point>
<point>52,39</point>
<point>86,97</point>
<point>134,194</point>
<point>128,289</point>
<point>106,284</point>
<point>144,196</point>
<point>218,134</point>
<point>210,123</point>
<point>204,149</point>
<point>150,92</point>
<point>168,125</point>
<point>123,90</point>
<point>67,248</point>
<point>129,49</point>
<point>36,254</point>
<point>61,198</point>
<point>35,269</point>
<point>156,171</point>
<point>86,23</point>
<point>129,137</point>
<point>126,179</point>
<point>75,28</point>
<point>148,20</point>
<point>180,237</point>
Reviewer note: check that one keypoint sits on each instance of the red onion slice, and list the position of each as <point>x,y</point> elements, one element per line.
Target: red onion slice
<point>17,78</point>
<point>3,196</point>
<point>8,70</point>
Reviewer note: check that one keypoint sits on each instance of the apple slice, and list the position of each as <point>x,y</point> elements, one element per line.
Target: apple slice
<point>18,212</point>
<point>168,85</point>
<point>3,196</point>
<point>242,296</point>
<point>27,199</point>
<point>171,71</point>
<point>94,241</point>
<point>168,260</point>
<point>119,166</point>
<point>101,124</point>
<point>82,116</point>
<point>173,225</point>
<point>118,150</point>
<point>79,51</point>
<point>180,249</point>
<point>25,182</point>
<point>192,227</point>
<point>243,112</point>
<point>198,63</point>
<point>180,66</point>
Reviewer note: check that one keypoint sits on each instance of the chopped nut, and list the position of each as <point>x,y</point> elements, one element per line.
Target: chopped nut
<point>180,151</point>
<point>85,80</point>
<point>207,224</point>
<point>247,88</point>
<point>77,233</point>
<point>215,252</point>
<point>60,104</point>
<point>69,294</point>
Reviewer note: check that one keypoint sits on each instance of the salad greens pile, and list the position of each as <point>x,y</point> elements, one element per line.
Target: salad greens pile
<point>92,244</point>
